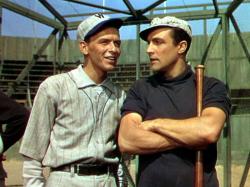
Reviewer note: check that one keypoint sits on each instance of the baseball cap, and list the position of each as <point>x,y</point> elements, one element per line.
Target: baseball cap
<point>95,23</point>
<point>168,21</point>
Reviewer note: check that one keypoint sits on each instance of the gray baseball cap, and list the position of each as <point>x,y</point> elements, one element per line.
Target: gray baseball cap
<point>95,23</point>
<point>168,21</point>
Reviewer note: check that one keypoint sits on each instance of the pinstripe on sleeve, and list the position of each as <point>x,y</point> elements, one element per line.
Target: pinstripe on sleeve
<point>37,134</point>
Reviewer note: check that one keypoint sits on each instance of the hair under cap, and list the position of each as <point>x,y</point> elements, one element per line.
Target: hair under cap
<point>95,23</point>
<point>168,21</point>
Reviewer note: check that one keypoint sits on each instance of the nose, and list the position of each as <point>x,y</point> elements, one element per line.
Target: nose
<point>150,48</point>
<point>113,47</point>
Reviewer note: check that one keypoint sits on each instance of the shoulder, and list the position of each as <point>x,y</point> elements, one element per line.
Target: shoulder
<point>145,84</point>
<point>216,94</point>
<point>52,86</point>
<point>212,80</point>
<point>214,83</point>
<point>55,80</point>
<point>141,88</point>
<point>214,87</point>
<point>142,82</point>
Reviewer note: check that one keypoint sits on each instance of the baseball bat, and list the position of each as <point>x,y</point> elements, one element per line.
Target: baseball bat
<point>199,72</point>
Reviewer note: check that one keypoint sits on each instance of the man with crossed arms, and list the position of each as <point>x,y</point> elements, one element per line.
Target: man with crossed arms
<point>159,114</point>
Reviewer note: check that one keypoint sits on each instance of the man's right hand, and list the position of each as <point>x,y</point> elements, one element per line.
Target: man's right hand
<point>2,157</point>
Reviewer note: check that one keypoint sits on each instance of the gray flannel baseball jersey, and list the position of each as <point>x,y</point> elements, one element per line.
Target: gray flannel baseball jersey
<point>73,119</point>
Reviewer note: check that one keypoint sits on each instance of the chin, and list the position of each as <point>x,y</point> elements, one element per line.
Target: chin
<point>110,67</point>
<point>154,68</point>
<point>113,64</point>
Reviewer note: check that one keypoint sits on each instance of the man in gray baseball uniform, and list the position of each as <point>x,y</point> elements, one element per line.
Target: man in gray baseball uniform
<point>75,116</point>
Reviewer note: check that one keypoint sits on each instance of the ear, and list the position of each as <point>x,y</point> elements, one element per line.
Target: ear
<point>83,46</point>
<point>182,47</point>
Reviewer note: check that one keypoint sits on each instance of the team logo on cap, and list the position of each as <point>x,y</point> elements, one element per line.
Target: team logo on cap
<point>99,15</point>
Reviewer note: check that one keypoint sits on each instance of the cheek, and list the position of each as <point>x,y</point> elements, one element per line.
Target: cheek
<point>168,56</point>
<point>118,52</point>
<point>96,53</point>
<point>118,49</point>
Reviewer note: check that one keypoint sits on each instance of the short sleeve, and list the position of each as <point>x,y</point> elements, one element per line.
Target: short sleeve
<point>216,95</point>
<point>134,101</point>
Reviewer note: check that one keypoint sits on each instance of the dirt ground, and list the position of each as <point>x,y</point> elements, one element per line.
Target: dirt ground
<point>14,170</point>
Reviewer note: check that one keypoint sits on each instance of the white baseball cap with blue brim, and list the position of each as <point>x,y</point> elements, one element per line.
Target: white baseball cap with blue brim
<point>168,21</point>
<point>95,23</point>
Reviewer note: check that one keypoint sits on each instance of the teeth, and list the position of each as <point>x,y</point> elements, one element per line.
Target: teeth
<point>111,58</point>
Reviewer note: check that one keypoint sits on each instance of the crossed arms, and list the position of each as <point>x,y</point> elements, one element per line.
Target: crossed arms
<point>145,137</point>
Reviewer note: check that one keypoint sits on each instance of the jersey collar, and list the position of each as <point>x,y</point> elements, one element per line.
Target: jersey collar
<point>82,80</point>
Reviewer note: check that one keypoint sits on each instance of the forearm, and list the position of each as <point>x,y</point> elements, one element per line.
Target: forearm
<point>133,139</point>
<point>188,133</point>
<point>145,143</point>
<point>191,132</point>
<point>32,173</point>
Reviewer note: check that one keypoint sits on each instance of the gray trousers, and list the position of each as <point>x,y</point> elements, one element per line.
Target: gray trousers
<point>67,179</point>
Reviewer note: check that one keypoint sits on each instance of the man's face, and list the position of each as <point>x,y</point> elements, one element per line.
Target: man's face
<point>103,49</point>
<point>162,51</point>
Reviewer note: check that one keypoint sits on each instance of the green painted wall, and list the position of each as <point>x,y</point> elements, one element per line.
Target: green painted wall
<point>238,68</point>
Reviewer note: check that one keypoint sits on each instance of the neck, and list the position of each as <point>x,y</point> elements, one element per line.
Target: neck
<point>95,74</point>
<point>175,69</point>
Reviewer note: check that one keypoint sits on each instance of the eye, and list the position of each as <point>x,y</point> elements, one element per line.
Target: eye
<point>157,41</point>
<point>117,43</point>
<point>104,42</point>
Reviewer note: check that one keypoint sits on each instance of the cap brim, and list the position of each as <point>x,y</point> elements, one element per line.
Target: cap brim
<point>114,22</point>
<point>144,34</point>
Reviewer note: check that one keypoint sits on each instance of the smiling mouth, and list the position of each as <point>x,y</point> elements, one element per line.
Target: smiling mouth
<point>111,58</point>
<point>153,60</point>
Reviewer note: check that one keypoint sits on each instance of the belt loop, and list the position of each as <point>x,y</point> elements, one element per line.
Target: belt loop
<point>72,170</point>
<point>108,170</point>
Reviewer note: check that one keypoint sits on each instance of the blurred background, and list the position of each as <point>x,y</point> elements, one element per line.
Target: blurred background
<point>38,39</point>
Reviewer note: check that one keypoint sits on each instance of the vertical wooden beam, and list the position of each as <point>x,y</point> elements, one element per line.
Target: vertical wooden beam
<point>138,61</point>
<point>227,128</point>
<point>31,63</point>
<point>1,43</point>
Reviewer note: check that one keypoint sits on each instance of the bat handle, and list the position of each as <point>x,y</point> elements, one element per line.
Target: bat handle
<point>199,72</point>
<point>199,169</point>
